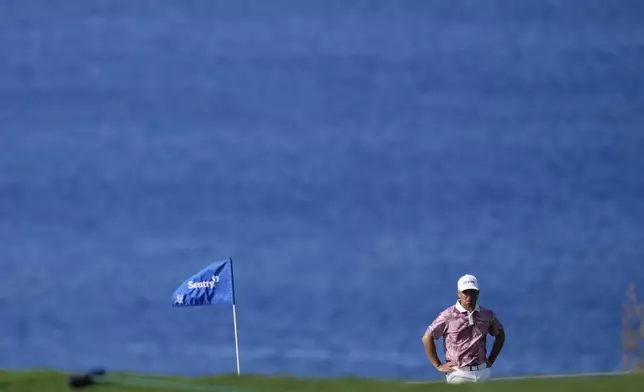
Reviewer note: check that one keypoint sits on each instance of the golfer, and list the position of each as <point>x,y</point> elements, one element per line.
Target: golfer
<point>464,328</point>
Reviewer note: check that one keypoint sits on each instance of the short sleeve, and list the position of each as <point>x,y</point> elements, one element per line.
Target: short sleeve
<point>438,327</point>
<point>495,325</point>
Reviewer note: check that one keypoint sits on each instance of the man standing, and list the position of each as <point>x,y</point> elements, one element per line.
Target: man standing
<point>464,328</point>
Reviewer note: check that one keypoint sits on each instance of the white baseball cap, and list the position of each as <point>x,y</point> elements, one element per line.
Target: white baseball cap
<point>468,282</point>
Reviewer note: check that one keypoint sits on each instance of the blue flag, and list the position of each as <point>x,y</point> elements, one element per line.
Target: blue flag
<point>212,285</point>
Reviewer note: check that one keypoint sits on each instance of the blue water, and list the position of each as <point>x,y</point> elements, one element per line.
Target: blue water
<point>353,158</point>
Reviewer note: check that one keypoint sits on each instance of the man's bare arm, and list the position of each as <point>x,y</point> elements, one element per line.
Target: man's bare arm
<point>499,340</point>
<point>430,349</point>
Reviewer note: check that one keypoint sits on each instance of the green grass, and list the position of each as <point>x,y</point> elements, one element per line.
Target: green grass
<point>57,382</point>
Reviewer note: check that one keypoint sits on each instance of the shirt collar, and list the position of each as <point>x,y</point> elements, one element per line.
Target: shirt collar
<point>461,309</point>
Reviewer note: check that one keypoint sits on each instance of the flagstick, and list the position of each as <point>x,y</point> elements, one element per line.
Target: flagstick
<point>236,341</point>
<point>234,316</point>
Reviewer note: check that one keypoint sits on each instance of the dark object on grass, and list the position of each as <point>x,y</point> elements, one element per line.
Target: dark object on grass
<point>98,376</point>
<point>78,381</point>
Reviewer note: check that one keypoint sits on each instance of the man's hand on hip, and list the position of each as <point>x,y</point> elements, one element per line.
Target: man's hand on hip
<point>446,367</point>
